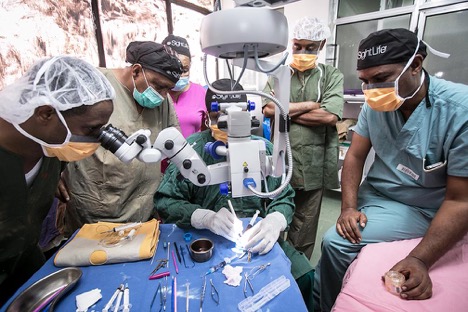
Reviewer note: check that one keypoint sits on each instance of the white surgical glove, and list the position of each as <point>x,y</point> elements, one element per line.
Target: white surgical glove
<point>262,236</point>
<point>222,223</point>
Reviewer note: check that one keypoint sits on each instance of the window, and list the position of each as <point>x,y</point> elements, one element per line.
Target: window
<point>443,24</point>
<point>348,38</point>
<point>443,32</point>
<point>355,7</point>
<point>123,22</point>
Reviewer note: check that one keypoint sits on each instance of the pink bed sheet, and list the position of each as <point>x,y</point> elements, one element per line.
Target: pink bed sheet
<point>363,289</point>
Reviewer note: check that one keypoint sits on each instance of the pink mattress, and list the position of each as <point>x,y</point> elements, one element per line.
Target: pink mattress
<point>363,289</point>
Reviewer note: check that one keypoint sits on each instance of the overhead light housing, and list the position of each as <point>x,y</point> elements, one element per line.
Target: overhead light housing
<point>229,33</point>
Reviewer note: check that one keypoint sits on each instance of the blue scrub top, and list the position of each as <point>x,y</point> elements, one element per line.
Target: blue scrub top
<point>413,158</point>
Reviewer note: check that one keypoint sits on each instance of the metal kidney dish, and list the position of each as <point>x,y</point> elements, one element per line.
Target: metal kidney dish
<point>45,291</point>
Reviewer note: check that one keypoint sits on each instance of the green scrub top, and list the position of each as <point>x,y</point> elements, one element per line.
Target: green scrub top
<point>315,149</point>
<point>177,199</point>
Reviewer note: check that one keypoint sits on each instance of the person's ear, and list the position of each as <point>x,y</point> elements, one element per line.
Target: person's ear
<point>417,64</point>
<point>44,114</point>
<point>136,70</point>
<point>322,45</point>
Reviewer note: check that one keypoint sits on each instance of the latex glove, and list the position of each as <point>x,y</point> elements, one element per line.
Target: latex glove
<point>262,236</point>
<point>222,223</point>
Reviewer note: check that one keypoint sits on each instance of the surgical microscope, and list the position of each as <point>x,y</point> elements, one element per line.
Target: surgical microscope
<point>241,35</point>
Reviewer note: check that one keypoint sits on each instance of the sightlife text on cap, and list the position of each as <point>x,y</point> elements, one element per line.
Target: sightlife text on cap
<point>178,44</point>
<point>388,46</point>
<point>224,85</point>
<point>156,57</point>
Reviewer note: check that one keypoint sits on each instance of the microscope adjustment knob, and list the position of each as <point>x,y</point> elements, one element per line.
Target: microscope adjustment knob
<point>224,188</point>
<point>187,164</point>
<point>201,178</point>
<point>141,139</point>
<point>169,144</point>
<point>250,106</point>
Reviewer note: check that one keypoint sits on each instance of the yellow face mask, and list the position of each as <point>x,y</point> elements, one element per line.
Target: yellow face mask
<point>219,135</point>
<point>72,151</point>
<point>303,62</point>
<point>384,97</point>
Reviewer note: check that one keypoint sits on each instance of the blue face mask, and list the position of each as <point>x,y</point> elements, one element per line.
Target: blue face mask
<point>150,98</point>
<point>181,84</point>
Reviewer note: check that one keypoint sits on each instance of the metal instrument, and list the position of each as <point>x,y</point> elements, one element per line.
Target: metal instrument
<point>188,251</point>
<point>161,264</point>
<point>202,294</point>
<point>214,293</point>
<point>250,276</point>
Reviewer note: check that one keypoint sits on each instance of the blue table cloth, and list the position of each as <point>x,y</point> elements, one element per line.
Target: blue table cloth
<point>135,274</point>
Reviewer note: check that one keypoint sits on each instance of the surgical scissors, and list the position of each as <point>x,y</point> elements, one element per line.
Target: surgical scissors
<point>214,293</point>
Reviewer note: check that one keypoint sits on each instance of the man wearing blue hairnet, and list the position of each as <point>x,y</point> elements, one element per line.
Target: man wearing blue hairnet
<point>52,114</point>
<point>417,186</point>
<point>316,104</point>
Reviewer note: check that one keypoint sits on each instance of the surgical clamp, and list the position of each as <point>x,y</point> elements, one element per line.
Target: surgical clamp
<point>249,277</point>
<point>161,263</point>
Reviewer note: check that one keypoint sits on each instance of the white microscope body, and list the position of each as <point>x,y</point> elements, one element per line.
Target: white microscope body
<point>240,33</point>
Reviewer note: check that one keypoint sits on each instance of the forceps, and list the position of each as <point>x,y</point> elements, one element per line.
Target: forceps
<point>202,294</point>
<point>247,282</point>
<point>214,293</point>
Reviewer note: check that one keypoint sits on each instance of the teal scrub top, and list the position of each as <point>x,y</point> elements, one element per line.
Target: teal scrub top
<point>414,158</point>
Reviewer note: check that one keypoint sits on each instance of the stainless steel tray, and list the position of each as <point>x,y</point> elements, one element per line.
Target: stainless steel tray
<point>45,291</point>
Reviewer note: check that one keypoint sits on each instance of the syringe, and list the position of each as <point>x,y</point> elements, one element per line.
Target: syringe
<point>123,227</point>
<point>220,265</point>
<point>252,221</point>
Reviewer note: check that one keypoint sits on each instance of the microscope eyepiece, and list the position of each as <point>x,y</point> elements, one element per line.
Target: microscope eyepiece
<point>112,138</point>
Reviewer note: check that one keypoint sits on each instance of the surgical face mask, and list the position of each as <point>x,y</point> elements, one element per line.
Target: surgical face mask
<point>72,151</point>
<point>181,84</point>
<point>216,133</point>
<point>303,62</point>
<point>384,97</point>
<point>150,98</point>
<point>73,147</point>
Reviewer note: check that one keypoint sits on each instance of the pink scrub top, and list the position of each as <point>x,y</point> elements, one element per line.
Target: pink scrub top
<point>189,108</point>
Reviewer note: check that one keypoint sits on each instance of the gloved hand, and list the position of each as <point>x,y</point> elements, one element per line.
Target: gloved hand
<point>222,223</point>
<point>262,236</point>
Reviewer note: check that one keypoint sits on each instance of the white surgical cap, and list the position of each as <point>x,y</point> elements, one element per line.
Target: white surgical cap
<point>63,82</point>
<point>311,28</point>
